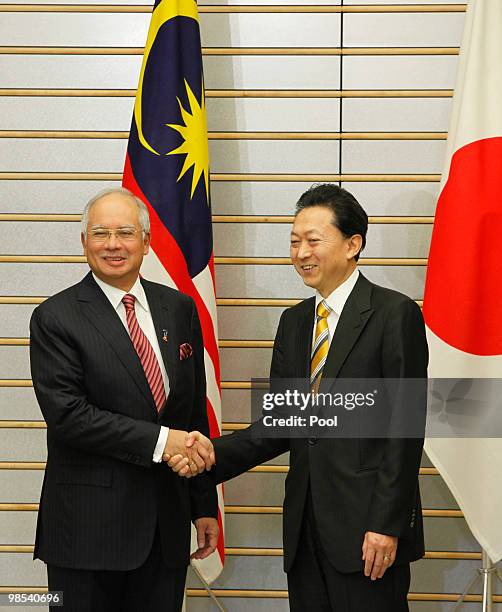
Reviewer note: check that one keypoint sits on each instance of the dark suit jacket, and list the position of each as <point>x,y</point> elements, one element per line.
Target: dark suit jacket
<point>102,495</point>
<point>357,485</point>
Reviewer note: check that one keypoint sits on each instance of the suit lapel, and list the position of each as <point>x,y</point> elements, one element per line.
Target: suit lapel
<point>97,309</point>
<point>163,321</point>
<point>304,339</point>
<point>355,315</point>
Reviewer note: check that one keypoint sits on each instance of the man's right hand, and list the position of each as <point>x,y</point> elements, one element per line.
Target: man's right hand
<point>197,455</point>
<point>176,443</point>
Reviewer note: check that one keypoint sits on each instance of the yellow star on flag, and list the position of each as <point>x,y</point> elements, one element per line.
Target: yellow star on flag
<point>194,134</point>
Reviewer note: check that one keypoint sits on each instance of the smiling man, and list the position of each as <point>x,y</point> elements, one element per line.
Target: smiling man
<point>117,392</point>
<point>323,255</point>
<point>352,513</point>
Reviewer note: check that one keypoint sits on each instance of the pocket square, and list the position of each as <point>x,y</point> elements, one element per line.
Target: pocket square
<point>185,351</point>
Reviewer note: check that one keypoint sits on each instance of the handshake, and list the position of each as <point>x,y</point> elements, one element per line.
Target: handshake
<point>188,454</point>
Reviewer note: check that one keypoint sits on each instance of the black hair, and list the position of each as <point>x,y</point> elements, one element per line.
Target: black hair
<point>348,215</point>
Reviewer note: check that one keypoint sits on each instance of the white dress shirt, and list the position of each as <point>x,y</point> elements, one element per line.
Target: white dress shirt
<point>336,301</point>
<point>145,321</point>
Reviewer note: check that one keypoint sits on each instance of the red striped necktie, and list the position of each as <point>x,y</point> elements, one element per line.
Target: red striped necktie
<point>145,352</point>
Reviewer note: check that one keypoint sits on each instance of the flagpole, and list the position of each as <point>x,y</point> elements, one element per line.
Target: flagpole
<point>208,588</point>
<point>487,571</point>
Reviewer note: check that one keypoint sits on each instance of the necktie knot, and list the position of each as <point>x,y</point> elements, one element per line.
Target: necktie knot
<point>323,310</point>
<point>128,300</point>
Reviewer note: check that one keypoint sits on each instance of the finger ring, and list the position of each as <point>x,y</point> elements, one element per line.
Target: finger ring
<point>386,557</point>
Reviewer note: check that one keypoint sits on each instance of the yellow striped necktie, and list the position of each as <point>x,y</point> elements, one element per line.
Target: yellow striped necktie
<point>321,343</point>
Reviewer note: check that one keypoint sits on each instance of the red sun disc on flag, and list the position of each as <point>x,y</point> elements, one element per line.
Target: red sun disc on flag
<point>463,293</point>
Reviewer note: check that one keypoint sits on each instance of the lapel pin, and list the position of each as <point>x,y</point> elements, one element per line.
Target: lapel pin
<point>164,335</point>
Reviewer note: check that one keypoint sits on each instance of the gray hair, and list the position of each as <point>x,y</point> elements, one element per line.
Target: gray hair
<point>144,217</point>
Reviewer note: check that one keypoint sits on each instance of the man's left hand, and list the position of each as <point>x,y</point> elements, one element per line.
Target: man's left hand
<point>379,553</point>
<point>207,537</point>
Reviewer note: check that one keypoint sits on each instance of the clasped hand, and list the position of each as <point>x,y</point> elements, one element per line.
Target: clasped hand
<point>188,454</point>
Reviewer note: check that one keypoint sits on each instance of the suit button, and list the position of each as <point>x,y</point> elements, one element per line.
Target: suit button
<point>312,441</point>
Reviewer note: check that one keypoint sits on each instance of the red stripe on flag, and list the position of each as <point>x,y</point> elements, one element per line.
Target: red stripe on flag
<point>211,269</point>
<point>214,426</point>
<point>221,540</point>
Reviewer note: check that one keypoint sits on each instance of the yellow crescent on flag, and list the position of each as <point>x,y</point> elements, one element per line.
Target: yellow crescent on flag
<point>165,10</point>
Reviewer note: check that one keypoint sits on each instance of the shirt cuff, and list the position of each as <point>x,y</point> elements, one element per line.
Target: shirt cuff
<point>161,444</point>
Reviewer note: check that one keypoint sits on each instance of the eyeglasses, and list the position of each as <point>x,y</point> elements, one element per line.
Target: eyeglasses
<point>124,234</point>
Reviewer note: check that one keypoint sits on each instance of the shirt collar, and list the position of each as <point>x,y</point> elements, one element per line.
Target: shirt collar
<point>115,295</point>
<point>337,298</point>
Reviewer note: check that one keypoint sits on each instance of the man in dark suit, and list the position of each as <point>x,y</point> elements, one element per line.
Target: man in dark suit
<point>118,370</point>
<point>352,513</point>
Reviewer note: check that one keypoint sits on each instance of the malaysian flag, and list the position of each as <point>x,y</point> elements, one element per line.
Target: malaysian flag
<point>167,166</point>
